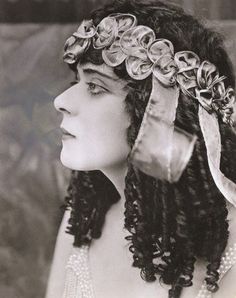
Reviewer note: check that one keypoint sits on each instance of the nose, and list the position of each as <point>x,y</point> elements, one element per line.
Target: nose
<point>61,104</point>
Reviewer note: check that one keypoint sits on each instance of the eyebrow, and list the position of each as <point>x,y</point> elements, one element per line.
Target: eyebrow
<point>92,71</point>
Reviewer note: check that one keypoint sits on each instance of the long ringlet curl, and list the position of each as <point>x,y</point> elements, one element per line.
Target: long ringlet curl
<point>170,225</point>
<point>88,204</point>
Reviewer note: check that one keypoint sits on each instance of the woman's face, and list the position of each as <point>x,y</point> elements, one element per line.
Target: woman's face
<point>94,113</point>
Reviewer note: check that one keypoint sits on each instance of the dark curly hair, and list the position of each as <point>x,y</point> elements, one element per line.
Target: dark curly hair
<point>170,225</point>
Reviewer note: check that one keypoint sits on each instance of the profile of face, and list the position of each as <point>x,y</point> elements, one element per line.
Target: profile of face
<point>94,113</point>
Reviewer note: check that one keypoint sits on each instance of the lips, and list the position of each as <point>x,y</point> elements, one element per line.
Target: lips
<point>66,132</point>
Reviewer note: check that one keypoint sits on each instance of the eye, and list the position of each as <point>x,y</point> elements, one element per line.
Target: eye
<point>95,89</point>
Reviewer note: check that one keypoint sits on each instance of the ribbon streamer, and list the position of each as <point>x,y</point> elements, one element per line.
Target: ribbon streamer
<point>162,150</point>
<point>213,145</point>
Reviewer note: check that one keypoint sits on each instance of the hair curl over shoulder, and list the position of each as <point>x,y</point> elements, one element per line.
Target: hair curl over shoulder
<point>170,225</point>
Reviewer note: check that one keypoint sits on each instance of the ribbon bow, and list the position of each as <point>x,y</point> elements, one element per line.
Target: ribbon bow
<point>79,42</point>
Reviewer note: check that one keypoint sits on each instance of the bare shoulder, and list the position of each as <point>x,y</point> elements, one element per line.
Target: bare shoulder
<point>62,251</point>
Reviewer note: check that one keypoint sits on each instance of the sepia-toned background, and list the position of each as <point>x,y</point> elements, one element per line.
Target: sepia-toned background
<point>32,180</point>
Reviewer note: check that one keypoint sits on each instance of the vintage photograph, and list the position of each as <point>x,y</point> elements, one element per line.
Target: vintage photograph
<point>118,149</point>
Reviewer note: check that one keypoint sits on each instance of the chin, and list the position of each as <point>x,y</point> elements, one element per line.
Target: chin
<point>90,161</point>
<point>69,162</point>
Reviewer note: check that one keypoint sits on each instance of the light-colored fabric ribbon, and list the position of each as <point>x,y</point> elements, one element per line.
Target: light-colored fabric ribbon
<point>162,150</point>
<point>213,145</point>
<point>79,42</point>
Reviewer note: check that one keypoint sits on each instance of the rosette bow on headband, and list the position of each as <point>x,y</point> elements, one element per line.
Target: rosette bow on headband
<point>161,149</point>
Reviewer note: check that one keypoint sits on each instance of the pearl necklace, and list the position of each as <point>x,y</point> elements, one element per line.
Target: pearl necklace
<point>227,261</point>
<point>78,283</point>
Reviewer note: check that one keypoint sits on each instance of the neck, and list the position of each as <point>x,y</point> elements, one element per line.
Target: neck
<point>115,216</point>
<point>117,176</point>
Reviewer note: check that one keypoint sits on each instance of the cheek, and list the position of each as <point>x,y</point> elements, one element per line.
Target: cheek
<point>110,130</point>
<point>102,141</point>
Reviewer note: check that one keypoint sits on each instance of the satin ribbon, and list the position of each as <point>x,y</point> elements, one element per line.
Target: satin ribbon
<point>213,145</point>
<point>162,150</point>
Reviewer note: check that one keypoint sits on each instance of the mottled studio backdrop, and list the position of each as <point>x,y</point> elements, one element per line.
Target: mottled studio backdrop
<point>32,180</point>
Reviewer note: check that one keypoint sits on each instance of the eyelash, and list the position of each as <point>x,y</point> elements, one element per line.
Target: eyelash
<point>91,87</point>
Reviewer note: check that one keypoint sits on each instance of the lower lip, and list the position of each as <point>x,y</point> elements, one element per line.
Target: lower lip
<point>67,137</point>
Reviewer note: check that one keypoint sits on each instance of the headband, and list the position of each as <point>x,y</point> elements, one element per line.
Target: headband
<point>162,149</point>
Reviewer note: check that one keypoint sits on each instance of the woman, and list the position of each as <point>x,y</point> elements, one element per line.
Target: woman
<point>140,66</point>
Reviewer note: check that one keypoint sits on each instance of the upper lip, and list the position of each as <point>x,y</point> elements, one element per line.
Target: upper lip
<point>66,131</point>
